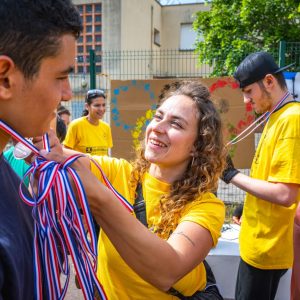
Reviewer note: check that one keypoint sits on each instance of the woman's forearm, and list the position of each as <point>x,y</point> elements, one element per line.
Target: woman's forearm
<point>154,259</point>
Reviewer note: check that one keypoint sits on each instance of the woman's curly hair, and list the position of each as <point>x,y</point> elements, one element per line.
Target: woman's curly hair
<point>205,167</point>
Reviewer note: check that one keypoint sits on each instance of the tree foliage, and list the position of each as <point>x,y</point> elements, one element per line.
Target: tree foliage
<point>232,29</point>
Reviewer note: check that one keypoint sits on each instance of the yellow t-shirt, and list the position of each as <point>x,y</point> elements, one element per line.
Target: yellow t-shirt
<point>118,279</point>
<point>266,237</point>
<point>85,137</point>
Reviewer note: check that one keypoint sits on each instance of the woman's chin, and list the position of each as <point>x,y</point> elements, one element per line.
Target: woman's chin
<point>149,157</point>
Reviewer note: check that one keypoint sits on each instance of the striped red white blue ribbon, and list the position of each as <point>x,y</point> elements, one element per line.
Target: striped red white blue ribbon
<point>258,122</point>
<point>124,201</point>
<point>58,226</point>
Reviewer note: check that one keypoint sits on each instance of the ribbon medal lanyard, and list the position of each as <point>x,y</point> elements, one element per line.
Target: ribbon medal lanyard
<point>259,121</point>
<point>58,225</point>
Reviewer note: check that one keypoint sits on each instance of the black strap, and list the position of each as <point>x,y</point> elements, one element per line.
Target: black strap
<point>139,206</point>
<point>174,292</point>
<point>211,292</point>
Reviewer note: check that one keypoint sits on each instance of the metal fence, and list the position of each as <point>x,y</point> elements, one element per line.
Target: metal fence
<point>130,65</point>
<point>153,64</point>
<point>146,64</point>
<point>289,52</point>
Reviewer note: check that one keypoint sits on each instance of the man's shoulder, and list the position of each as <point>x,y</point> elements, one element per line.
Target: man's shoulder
<point>10,201</point>
<point>288,115</point>
<point>291,109</point>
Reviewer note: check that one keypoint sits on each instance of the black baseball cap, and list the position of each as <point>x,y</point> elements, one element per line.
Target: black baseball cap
<point>255,67</point>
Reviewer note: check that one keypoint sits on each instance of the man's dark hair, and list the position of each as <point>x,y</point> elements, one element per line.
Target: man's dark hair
<point>63,110</point>
<point>61,129</point>
<point>31,30</point>
<point>281,80</point>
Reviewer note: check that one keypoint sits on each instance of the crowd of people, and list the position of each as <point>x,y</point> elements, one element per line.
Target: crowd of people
<point>158,251</point>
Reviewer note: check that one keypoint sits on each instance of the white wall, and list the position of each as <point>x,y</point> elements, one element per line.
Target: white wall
<point>139,18</point>
<point>172,18</point>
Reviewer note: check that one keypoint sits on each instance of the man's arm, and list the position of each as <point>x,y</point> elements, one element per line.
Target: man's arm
<point>280,193</point>
<point>284,194</point>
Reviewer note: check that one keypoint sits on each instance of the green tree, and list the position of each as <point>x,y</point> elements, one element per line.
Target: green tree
<point>232,29</point>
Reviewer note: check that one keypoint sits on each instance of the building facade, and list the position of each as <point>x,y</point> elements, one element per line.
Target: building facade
<point>133,25</point>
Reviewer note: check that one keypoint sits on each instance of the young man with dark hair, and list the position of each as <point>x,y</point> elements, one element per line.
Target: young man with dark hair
<point>266,237</point>
<point>37,52</point>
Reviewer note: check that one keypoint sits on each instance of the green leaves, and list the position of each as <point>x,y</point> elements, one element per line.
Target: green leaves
<point>234,28</point>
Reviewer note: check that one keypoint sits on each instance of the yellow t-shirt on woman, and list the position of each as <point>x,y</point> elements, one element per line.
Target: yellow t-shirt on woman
<point>118,279</point>
<point>85,137</point>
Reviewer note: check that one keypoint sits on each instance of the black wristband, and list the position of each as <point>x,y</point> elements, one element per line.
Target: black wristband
<point>230,171</point>
<point>228,174</point>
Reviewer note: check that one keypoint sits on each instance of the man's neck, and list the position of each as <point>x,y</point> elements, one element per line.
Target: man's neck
<point>279,96</point>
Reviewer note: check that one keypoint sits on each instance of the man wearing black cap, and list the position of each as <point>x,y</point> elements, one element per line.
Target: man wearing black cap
<point>266,237</point>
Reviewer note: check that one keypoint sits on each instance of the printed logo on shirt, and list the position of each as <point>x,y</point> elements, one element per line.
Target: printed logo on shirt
<point>96,150</point>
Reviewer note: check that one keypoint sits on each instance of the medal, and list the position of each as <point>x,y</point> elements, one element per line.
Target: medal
<point>21,151</point>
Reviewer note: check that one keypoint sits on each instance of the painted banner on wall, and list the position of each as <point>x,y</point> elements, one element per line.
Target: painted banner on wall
<point>133,103</point>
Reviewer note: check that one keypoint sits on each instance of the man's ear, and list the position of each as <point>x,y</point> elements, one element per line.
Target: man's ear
<point>269,81</point>
<point>7,68</point>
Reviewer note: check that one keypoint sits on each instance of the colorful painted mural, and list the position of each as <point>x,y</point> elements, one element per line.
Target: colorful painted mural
<point>133,104</point>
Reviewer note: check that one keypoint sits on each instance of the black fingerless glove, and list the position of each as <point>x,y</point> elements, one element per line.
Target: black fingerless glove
<point>229,171</point>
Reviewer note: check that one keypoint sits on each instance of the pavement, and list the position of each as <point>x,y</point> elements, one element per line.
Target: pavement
<point>73,292</point>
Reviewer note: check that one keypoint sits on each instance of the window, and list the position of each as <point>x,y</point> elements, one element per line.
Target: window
<point>98,48</point>
<point>89,38</point>
<point>89,28</point>
<point>98,38</point>
<point>98,8</point>
<point>98,18</point>
<point>89,8</point>
<point>88,48</point>
<point>98,28</point>
<point>187,37</point>
<point>88,19</point>
<point>80,69</point>
<point>79,58</point>
<point>156,37</point>
<point>98,69</point>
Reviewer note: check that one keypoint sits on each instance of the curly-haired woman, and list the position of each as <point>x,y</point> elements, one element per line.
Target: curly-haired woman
<point>178,167</point>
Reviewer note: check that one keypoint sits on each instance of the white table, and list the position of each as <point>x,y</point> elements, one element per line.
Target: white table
<point>224,262</point>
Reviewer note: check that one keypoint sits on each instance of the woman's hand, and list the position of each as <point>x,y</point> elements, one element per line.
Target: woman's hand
<point>81,166</point>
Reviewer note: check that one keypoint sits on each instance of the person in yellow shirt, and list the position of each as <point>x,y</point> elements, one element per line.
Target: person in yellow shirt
<point>89,134</point>
<point>295,280</point>
<point>266,236</point>
<point>178,167</point>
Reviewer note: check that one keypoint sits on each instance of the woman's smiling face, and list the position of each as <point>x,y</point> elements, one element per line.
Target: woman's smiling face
<point>171,135</point>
